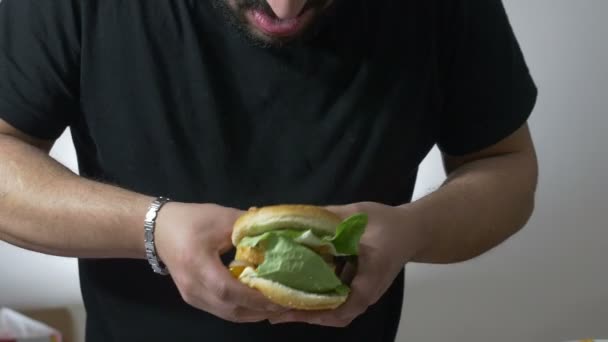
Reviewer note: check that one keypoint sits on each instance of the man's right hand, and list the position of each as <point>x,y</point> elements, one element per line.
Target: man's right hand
<point>190,239</point>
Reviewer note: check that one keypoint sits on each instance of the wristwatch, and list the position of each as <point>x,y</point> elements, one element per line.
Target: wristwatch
<point>149,227</point>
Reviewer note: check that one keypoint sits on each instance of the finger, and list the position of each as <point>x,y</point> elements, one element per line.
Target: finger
<point>224,287</point>
<point>367,279</point>
<point>223,240</point>
<point>196,295</point>
<point>231,313</point>
<point>348,273</point>
<point>343,211</point>
<point>358,301</point>
<point>244,315</point>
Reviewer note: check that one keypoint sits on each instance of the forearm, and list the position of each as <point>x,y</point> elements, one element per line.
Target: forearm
<point>46,208</point>
<point>480,205</point>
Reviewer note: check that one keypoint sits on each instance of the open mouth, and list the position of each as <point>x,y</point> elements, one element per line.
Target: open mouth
<point>270,25</point>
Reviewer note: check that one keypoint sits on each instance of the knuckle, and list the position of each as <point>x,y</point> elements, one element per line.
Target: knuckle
<point>347,318</point>
<point>343,322</point>
<point>373,300</point>
<point>232,317</point>
<point>234,314</point>
<point>187,297</point>
<point>243,320</point>
<point>361,303</point>
<point>186,289</point>
<point>221,292</point>
<point>366,303</point>
<point>364,206</point>
<point>358,207</point>
<point>232,310</point>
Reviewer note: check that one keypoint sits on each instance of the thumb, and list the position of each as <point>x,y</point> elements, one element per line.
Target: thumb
<point>224,243</point>
<point>343,211</point>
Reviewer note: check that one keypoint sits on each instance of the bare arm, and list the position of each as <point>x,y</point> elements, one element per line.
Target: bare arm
<point>46,208</point>
<point>487,197</point>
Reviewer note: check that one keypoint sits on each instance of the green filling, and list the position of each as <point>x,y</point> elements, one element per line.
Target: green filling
<point>288,261</point>
<point>296,266</point>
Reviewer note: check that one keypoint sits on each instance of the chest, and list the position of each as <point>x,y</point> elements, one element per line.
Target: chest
<point>207,102</point>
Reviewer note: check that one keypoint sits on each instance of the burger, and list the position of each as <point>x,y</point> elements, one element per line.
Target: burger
<point>293,254</point>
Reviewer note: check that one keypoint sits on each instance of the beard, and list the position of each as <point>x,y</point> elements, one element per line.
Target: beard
<point>236,18</point>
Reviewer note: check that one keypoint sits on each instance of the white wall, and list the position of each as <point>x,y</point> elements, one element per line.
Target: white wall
<point>549,282</point>
<point>32,280</point>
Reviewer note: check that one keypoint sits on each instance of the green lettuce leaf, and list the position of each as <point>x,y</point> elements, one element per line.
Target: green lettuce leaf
<point>254,241</point>
<point>296,266</point>
<point>342,290</point>
<point>345,242</point>
<point>348,235</point>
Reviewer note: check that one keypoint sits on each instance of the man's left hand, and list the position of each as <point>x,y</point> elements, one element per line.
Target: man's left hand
<point>392,238</point>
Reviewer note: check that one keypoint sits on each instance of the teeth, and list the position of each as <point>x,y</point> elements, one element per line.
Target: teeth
<point>286,21</point>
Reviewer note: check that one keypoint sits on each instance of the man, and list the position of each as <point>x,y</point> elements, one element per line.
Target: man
<point>226,104</point>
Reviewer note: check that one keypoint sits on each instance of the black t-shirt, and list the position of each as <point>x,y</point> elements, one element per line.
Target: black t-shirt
<point>165,98</point>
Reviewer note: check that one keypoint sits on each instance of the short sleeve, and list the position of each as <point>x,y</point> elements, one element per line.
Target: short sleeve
<point>487,90</point>
<point>39,65</point>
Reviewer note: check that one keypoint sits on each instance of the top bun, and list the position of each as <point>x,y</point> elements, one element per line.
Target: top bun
<point>260,220</point>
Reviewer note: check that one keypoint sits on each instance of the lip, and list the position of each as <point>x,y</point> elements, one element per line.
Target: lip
<point>274,27</point>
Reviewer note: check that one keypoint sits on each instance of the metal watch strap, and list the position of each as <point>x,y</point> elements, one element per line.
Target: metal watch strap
<point>149,228</point>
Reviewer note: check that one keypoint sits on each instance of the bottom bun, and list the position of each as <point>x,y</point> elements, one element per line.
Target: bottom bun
<point>289,297</point>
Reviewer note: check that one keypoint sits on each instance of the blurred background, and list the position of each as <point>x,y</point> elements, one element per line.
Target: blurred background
<point>547,283</point>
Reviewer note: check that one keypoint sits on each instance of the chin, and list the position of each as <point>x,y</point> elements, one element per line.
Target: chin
<point>267,39</point>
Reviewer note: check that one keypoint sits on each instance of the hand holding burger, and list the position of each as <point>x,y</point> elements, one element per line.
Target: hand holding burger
<point>190,238</point>
<point>393,237</point>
